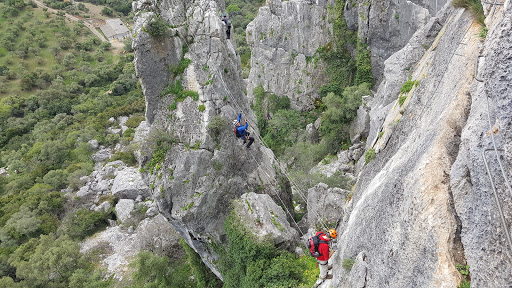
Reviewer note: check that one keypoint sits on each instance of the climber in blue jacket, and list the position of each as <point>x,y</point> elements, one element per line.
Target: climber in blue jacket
<point>241,131</point>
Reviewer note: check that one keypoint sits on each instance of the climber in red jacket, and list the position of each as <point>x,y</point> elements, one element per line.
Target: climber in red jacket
<point>324,250</point>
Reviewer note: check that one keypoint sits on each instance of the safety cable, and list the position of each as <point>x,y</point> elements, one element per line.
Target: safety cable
<point>274,157</point>
<point>497,202</point>
<point>504,174</point>
<point>281,168</point>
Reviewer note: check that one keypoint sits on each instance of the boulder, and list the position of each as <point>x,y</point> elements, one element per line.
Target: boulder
<point>360,127</point>
<point>103,207</point>
<point>124,209</point>
<point>93,144</point>
<point>129,184</point>
<point>325,205</point>
<point>265,219</point>
<point>101,155</point>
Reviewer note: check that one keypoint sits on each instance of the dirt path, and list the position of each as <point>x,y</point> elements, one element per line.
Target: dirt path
<point>75,19</point>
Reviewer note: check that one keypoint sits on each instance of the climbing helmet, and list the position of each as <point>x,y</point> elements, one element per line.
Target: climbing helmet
<point>332,233</point>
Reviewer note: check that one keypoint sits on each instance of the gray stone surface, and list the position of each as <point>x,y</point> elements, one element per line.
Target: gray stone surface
<point>102,155</point>
<point>103,207</point>
<point>486,248</point>
<point>202,173</point>
<point>118,247</point>
<point>404,214</point>
<point>325,205</point>
<point>284,38</point>
<point>388,25</point>
<point>265,219</point>
<point>93,143</point>
<point>129,184</point>
<point>124,209</point>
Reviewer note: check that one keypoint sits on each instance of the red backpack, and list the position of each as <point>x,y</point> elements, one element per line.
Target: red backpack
<point>313,243</point>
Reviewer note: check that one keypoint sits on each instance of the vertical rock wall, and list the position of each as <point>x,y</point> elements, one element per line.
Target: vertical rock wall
<point>424,204</point>
<point>283,39</point>
<point>201,173</point>
<point>388,25</point>
<point>486,245</point>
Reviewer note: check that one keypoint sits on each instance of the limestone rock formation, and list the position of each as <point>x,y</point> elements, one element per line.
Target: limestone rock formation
<point>424,204</point>
<point>325,205</point>
<point>486,245</point>
<point>284,38</point>
<point>116,246</point>
<point>387,26</point>
<point>265,219</point>
<point>194,165</point>
<point>128,184</point>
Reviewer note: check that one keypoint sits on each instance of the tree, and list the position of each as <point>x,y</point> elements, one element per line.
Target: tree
<point>48,262</point>
<point>107,11</point>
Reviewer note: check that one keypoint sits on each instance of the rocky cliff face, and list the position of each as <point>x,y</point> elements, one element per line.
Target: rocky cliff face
<point>388,25</point>
<point>195,172</point>
<point>283,40</point>
<point>426,203</point>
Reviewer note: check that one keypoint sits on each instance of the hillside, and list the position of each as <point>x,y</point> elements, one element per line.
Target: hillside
<point>385,120</point>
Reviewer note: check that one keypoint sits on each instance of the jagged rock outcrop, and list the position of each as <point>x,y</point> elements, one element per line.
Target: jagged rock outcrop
<point>198,171</point>
<point>284,38</point>
<point>387,26</point>
<point>265,219</point>
<point>128,184</point>
<point>325,205</point>
<point>116,247</point>
<point>424,204</point>
<point>486,245</point>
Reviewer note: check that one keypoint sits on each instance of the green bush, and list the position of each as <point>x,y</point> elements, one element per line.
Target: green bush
<point>127,157</point>
<point>216,126</point>
<point>245,262</point>
<point>157,27</point>
<point>201,108</point>
<point>134,121</point>
<point>407,86</point>
<point>157,271</point>
<point>369,155</point>
<point>84,223</point>
<point>203,276</point>
<point>401,100</point>
<point>475,6</point>
<point>363,65</point>
<point>339,113</point>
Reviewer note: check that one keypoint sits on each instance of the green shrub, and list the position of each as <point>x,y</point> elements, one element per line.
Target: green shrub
<point>407,86</point>
<point>339,113</point>
<point>401,100</point>
<point>363,65</point>
<point>475,6</point>
<point>216,126</point>
<point>129,133</point>
<point>157,27</point>
<point>134,121</point>
<point>201,108</point>
<point>203,276</point>
<point>157,271</point>
<point>347,264</point>
<point>84,223</point>
<point>245,262</point>
<point>127,157</point>
<point>369,155</point>
<point>163,144</point>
